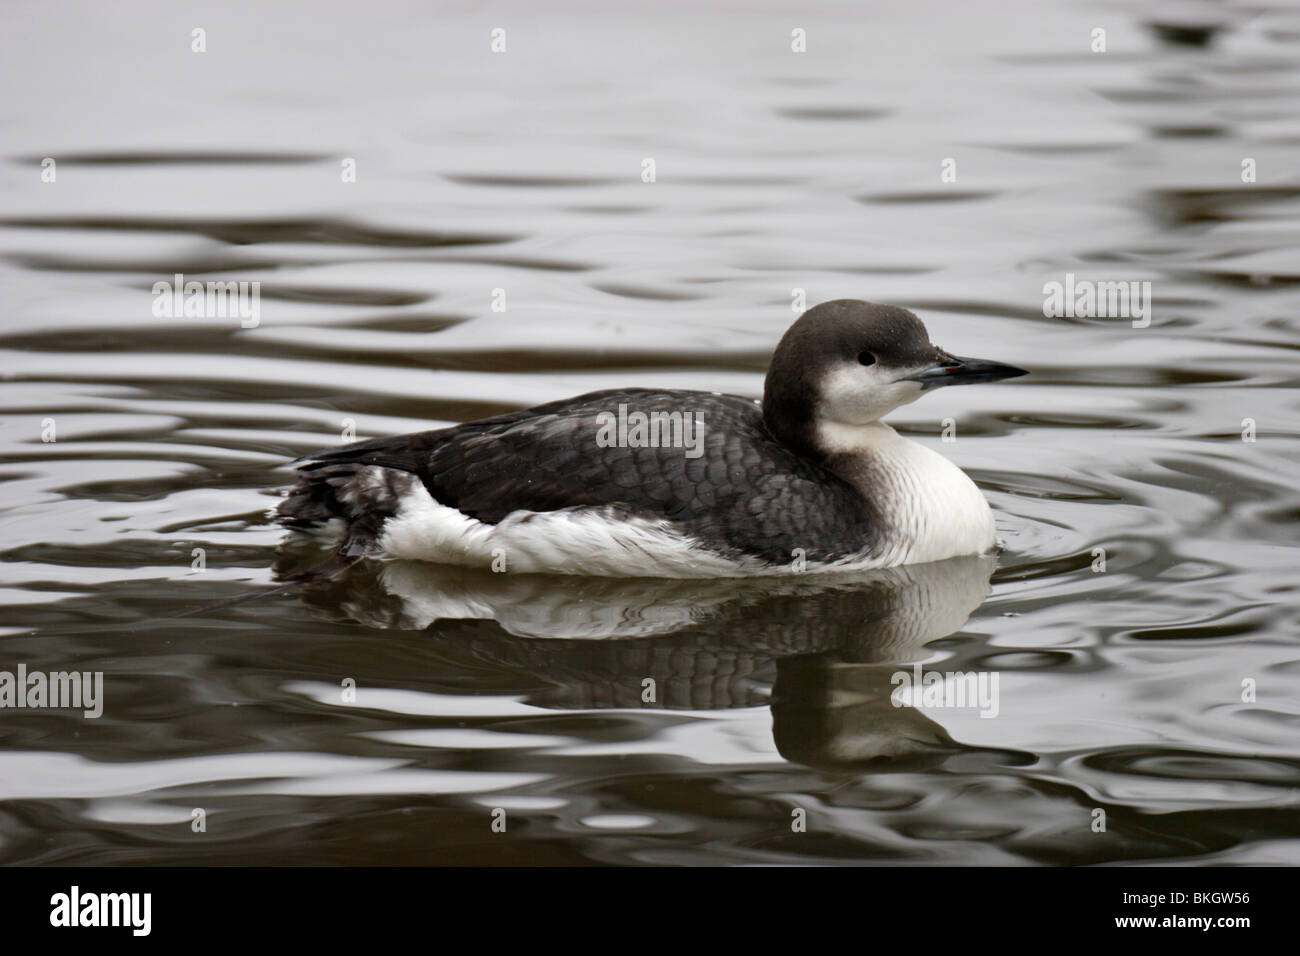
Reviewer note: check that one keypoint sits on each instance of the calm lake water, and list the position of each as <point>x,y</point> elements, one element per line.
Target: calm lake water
<point>1140,621</point>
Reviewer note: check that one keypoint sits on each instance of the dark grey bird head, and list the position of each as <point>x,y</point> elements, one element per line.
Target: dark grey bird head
<point>849,363</point>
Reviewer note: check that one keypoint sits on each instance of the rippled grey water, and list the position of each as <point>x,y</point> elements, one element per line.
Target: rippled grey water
<point>1125,690</point>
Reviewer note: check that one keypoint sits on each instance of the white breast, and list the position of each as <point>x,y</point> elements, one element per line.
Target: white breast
<point>931,507</point>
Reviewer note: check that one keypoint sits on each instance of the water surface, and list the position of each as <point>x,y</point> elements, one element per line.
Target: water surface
<point>1119,689</point>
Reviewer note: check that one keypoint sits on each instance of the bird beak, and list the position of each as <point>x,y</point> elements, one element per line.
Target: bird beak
<point>956,370</point>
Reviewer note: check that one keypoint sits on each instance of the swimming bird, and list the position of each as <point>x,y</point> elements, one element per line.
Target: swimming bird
<point>683,484</point>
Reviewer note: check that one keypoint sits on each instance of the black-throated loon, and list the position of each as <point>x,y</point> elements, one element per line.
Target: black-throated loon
<point>670,483</point>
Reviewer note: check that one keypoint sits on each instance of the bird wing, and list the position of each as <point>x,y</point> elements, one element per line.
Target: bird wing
<point>742,487</point>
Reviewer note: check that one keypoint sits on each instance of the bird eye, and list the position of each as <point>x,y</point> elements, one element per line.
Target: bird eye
<point>866,358</point>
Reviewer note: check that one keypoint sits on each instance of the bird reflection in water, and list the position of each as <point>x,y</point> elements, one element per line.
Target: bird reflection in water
<point>822,650</point>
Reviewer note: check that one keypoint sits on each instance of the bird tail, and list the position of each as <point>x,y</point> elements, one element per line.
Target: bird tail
<point>347,503</point>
